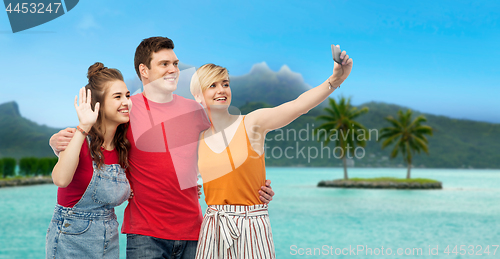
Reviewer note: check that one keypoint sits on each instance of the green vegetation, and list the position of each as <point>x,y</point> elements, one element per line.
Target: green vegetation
<point>31,166</point>
<point>252,106</point>
<point>28,167</point>
<point>341,126</point>
<point>45,165</point>
<point>407,136</point>
<point>9,167</point>
<point>455,144</point>
<point>20,137</point>
<point>395,180</point>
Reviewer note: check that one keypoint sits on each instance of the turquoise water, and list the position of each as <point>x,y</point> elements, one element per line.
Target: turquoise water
<point>303,217</point>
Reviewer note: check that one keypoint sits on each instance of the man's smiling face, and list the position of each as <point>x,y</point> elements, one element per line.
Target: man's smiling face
<point>164,72</point>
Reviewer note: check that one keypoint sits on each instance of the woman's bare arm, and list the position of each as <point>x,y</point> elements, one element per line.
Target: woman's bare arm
<point>64,170</point>
<point>268,119</point>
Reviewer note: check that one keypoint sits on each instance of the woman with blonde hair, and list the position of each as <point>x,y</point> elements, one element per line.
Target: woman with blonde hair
<point>231,161</point>
<point>90,172</point>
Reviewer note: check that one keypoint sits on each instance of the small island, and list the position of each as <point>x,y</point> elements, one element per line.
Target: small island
<point>383,183</point>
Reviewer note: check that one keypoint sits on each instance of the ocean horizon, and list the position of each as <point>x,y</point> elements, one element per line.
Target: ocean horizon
<point>458,221</point>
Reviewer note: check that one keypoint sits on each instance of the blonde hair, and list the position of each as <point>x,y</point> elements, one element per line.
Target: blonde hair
<point>205,76</point>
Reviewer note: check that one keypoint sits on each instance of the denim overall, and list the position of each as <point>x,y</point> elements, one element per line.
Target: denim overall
<point>90,228</point>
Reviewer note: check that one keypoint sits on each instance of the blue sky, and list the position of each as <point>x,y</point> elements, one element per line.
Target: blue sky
<point>438,57</point>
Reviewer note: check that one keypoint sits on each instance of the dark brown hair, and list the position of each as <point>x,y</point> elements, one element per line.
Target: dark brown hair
<point>100,78</point>
<point>145,50</point>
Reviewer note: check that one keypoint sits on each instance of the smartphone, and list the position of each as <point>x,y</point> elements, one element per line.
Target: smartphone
<point>336,54</point>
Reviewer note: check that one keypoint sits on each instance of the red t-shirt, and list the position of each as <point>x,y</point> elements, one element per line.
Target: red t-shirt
<point>163,168</point>
<point>69,196</point>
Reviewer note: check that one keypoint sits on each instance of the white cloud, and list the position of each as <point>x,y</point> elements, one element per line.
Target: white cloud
<point>88,22</point>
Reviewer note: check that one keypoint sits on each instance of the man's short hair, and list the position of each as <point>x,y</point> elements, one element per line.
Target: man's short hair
<point>145,50</point>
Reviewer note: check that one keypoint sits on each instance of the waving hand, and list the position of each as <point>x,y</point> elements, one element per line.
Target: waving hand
<point>64,170</point>
<point>86,116</point>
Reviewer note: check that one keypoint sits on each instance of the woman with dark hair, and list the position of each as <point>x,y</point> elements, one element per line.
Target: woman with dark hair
<point>231,161</point>
<point>90,172</point>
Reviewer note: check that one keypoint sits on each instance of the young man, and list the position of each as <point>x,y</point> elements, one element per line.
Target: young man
<point>163,219</point>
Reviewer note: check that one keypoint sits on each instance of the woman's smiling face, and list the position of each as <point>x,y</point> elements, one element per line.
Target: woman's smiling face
<point>117,103</point>
<point>218,93</point>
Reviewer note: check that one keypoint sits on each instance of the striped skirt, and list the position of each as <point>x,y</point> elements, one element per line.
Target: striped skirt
<point>241,232</point>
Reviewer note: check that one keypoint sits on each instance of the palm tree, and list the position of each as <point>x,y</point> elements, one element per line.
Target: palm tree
<point>340,122</point>
<point>407,135</point>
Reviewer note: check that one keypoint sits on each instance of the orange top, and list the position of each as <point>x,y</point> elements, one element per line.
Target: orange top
<point>235,175</point>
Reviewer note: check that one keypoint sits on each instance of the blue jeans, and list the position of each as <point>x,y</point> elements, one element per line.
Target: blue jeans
<point>89,229</point>
<point>146,247</point>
